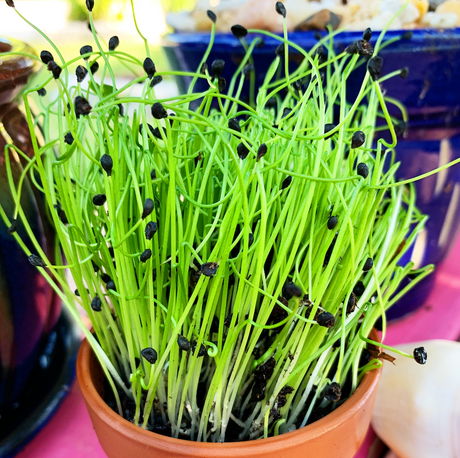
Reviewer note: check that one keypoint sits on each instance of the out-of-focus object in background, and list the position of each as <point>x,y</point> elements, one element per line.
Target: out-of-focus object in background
<point>417,410</point>
<point>37,343</point>
<point>318,15</point>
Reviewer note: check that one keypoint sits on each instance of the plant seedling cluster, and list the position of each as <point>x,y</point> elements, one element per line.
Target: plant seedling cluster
<point>233,257</point>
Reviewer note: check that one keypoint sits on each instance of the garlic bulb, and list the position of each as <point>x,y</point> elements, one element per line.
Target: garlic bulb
<point>417,409</point>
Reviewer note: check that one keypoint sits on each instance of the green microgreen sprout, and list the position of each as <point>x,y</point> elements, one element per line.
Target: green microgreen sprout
<point>268,235</point>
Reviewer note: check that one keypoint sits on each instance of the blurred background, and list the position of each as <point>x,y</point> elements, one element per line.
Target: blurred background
<point>66,23</point>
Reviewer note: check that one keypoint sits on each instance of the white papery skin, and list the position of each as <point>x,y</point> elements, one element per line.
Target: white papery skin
<point>417,409</point>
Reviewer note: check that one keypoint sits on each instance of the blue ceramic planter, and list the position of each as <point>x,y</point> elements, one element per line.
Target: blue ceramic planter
<point>430,93</point>
<point>33,345</point>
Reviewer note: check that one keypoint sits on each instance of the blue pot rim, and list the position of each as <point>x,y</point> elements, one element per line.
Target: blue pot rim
<point>426,38</point>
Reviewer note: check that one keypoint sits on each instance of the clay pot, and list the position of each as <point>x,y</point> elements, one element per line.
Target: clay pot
<point>339,434</point>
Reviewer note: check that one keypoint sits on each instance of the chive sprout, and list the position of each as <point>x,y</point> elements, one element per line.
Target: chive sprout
<point>200,232</point>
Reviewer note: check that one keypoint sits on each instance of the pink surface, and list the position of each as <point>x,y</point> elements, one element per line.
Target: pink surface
<point>70,433</point>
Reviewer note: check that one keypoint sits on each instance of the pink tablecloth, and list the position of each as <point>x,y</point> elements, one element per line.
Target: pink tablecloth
<point>70,433</point>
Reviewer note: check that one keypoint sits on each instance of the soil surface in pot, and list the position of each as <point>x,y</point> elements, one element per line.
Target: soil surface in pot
<point>233,430</point>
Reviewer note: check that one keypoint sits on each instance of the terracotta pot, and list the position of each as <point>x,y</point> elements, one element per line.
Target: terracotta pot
<point>338,435</point>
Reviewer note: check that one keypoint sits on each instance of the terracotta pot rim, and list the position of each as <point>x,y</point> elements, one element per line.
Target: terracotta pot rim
<point>309,432</point>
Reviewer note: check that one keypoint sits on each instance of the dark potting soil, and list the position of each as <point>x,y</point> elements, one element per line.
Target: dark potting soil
<point>233,430</point>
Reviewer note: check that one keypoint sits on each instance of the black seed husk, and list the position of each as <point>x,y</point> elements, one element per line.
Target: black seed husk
<point>85,50</point>
<point>333,392</point>
<point>286,112</point>
<point>150,127</point>
<point>326,319</point>
<point>359,288</point>
<point>121,109</point>
<point>358,139</point>
<point>362,170</point>
<point>279,51</point>
<point>209,268</point>
<point>367,34</point>
<point>106,278</point>
<point>113,43</point>
<point>211,16</point>
<point>221,84</point>
<point>96,304</point>
<point>111,285</point>
<point>332,222</point>
<point>77,293</point>
<point>280,9</point>
<point>286,182</point>
<point>204,68</point>
<point>107,163</point>
<point>242,151</point>
<point>202,351</point>
<point>368,264</point>
<point>183,343</point>
<point>10,3</point>
<point>90,5</point>
<point>81,73</point>
<point>150,355</point>
<point>297,85</point>
<point>68,138</point>
<point>247,69</point>
<point>150,229</point>
<point>158,111</point>
<point>41,92</point>
<point>328,127</point>
<point>374,66</point>
<point>148,208</point>
<point>351,304</point>
<point>404,73</point>
<point>291,289</point>
<point>99,199</point>
<point>147,254</point>
<point>14,225</point>
<point>54,68</point>
<point>82,107</point>
<point>95,267</point>
<point>217,67</point>
<point>262,151</point>
<point>234,125</point>
<point>46,57</point>
<point>94,67</point>
<point>239,31</point>
<point>153,174</point>
<point>420,355</point>
<point>149,67</point>
<point>36,261</point>
<point>361,47</point>
<point>157,79</point>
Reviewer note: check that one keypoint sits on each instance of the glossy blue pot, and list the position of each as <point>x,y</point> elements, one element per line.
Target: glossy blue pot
<point>34,345</point>
<point>430,94</point>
